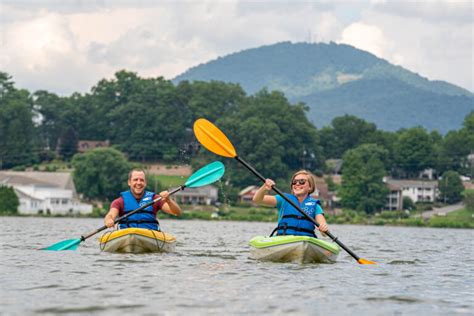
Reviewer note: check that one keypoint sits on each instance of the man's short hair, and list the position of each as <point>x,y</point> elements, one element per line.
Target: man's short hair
<point>135,169</point>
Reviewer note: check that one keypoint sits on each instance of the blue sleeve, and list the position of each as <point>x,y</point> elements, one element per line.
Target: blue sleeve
<point>319,210</point>
<point>279,201</point>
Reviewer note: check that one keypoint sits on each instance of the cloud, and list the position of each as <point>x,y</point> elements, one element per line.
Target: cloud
<point>369,38</point>
<point>68,46</point>
<point>433,11</point>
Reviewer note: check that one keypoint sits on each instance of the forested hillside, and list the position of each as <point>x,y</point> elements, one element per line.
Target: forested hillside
<point>336,79</point>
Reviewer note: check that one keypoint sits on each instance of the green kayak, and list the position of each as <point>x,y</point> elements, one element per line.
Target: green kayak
<point>299,249</point>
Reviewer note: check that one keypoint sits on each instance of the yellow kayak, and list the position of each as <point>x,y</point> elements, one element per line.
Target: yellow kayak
<point>137,240</point>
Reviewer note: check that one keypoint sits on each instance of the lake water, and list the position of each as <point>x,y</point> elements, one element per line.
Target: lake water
<point>420,271</point>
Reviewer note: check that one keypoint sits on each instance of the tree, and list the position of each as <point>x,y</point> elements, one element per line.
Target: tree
<point>362,185</point>
<point>408,203</point>
<point>17,132</point>
<point>147,124</point>
<point>67,145</point>
<point>413,151</point>
<point>347,132</point>
<point>211,100</point>
<point>54,117</point>
<point>8,201</point>
<point>100,173</point>
<point>468,199</point>
<point>273,135</point>
<point>450,187</point>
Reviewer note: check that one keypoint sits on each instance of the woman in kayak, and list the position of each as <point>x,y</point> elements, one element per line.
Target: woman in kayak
<point>134,198</point>
<point>290,220</point>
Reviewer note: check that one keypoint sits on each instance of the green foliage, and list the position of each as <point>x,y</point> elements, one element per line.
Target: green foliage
<point>274,146</point>
<point>8,201</point>
<point>211,100</point>
<point>164,182</point>
<point>408,203</point>
<point>413,151</point>
<point>468,199</point>
<point>459,219</point>
<point>100,173</point>
<point>450,187</point>
<point>68,143</point>
<point>332,187</point>
<point>362,172</point>
<point>346,132</point>
<point>17,132</point>
<point>453,152</point>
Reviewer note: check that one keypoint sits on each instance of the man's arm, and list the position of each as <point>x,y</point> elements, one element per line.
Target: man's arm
<point>169,206</point>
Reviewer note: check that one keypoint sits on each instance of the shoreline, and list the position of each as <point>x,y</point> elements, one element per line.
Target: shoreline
<point>267,215</point>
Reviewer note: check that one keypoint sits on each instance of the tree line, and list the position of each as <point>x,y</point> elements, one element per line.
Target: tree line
<point>151,119</point>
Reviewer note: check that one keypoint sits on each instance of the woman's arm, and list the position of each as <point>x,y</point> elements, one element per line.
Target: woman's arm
<point>262,198</point>
<point>323,226</point>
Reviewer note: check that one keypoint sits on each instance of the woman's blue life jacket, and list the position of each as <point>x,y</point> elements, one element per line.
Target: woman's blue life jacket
<point>291,221</point>
<point>146,218</point>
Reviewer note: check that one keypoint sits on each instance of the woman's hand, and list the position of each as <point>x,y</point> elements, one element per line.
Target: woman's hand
<point>323,227</point>
<point>269,183</point>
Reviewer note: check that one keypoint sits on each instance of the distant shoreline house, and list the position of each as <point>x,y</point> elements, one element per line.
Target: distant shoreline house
<point>416,190</point>
<point>205,195</point>
<point>44,192</point>
<point>85,145</point>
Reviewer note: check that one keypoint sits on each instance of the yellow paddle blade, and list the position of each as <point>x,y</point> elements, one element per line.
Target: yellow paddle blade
<point>365,261</point>
<point>213,139</point>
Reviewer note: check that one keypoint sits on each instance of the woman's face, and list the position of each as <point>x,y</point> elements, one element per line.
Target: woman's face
<point>300,185</point>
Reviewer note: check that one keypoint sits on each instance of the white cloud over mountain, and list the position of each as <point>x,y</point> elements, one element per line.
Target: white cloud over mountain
<point>67,47</point>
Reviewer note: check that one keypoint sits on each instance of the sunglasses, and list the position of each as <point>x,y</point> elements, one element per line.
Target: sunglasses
<point>299,181</point>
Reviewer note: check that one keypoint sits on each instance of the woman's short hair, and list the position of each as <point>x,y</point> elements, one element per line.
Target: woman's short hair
<point>309,175</point>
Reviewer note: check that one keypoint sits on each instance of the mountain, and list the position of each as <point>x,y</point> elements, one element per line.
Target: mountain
<point>337,79</point>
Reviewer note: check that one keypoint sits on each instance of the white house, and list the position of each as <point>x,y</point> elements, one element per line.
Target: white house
<point>416,190</point>
<point>44,192</point>
<point>205,195</point>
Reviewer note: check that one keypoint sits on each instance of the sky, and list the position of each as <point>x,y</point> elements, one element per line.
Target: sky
<point>67,46</point>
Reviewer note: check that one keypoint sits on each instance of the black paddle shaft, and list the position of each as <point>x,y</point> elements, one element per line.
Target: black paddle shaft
<point>117,220</point>
<point>334,238</point>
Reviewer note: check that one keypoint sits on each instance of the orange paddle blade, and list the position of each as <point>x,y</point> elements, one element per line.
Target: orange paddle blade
<point>365,261</point>
<point>213,139</point>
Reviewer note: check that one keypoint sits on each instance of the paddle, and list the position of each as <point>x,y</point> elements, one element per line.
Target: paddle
<point>204,176</point>
<point>214,140</point>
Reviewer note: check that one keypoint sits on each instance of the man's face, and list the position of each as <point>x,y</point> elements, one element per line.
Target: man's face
<point>137,183</point>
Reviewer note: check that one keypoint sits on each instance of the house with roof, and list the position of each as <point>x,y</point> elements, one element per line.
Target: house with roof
<point>85,145</point>
<point>205,195</point>
<point>246,195</point>
<point>44,192</point>
<point>416,190</point>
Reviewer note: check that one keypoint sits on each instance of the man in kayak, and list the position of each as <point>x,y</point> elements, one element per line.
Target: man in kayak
<point>134,198</point>
<point>290,220</point>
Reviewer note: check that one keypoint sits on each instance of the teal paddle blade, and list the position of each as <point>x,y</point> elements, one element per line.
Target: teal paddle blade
<point>70,244</point>
<point>206,175</point>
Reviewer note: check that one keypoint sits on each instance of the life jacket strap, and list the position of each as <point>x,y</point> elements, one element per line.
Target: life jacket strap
<point>298,229</point>
<point>126,222</point>
<point>300,217</point>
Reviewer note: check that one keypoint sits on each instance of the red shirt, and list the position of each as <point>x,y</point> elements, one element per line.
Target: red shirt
<point>119,205</point>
